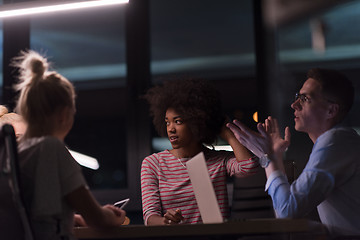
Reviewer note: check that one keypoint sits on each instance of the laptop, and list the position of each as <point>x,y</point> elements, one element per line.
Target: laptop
<point>203,189</point>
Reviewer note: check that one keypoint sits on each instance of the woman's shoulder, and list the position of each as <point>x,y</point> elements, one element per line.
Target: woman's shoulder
<point>212,153</point>
<point>159,155</point>
<point>43,152</point>
<point>42,146</point>
<point>37,142</point>
<point>155,159</point>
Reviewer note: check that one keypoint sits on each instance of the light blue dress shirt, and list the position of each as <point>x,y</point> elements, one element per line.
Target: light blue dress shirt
<point>330,181</point>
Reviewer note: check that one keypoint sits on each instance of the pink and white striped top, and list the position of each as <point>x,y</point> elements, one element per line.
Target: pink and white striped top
<point>165,183</point>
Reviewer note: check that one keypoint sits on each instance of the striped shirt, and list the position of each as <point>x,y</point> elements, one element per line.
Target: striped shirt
<point>165,183</point>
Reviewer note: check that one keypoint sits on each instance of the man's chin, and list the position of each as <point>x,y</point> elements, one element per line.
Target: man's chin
<point>298,128</point>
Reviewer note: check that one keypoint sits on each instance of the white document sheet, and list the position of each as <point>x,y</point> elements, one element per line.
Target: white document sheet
<point>203,189</point>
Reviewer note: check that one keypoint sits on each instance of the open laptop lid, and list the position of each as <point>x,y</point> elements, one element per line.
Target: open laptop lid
<point>203,189</point>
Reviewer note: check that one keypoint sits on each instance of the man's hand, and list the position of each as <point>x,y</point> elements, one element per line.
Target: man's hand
<point>259,143</point>
<point>279,144</point>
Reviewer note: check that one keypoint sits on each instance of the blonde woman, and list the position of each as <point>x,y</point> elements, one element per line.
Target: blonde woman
<point>53,182</point>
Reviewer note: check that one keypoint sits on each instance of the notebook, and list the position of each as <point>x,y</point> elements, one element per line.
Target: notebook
<point>203,189</point>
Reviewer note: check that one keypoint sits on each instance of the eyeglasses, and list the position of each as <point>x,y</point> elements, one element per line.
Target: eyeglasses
<point>303,98</point>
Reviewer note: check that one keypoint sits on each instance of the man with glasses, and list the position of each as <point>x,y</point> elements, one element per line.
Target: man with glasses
<point>330,180</point>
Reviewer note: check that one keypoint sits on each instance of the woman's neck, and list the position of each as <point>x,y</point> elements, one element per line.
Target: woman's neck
<point>187,152</point>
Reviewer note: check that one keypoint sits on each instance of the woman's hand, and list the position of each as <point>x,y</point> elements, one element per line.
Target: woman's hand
<point>225,132</point>
<point>119,213</point>
<point>173,217</point>
<point>120,216</point>
<point>79,221</point>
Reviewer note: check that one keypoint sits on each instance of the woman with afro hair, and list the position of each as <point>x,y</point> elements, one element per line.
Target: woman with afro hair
<point>189,113</point>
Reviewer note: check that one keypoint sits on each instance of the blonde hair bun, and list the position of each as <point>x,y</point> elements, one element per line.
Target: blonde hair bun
<point>32,67</point>
<point>35,63</point>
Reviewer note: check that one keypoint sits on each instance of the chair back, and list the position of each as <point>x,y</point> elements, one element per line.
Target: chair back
<point>250,199</point>
<point>10,173</point>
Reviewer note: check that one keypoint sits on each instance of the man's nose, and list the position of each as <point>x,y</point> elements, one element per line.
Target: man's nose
<point>296,104</point>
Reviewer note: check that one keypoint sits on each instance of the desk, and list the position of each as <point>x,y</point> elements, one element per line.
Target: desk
<point>250,227</point>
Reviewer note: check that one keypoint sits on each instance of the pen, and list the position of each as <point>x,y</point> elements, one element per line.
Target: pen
<point>121,204</point>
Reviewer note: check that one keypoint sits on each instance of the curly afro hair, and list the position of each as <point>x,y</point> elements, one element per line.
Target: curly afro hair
<point>198,102</point>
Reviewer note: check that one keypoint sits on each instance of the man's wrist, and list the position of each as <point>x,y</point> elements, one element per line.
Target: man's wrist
<point>264,160</point>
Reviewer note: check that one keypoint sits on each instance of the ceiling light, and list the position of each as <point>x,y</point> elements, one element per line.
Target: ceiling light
<point>39,7</point>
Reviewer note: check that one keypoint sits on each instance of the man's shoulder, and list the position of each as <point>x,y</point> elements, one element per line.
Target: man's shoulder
<point>340,132</point>
<point>340,135</point>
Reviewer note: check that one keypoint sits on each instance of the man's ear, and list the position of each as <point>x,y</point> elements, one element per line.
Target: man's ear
<point>333,110</point>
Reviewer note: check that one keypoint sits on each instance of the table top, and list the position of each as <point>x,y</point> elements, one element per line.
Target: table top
<point>231,228</point>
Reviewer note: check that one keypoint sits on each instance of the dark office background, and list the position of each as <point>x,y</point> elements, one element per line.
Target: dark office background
<point>112,55</point>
